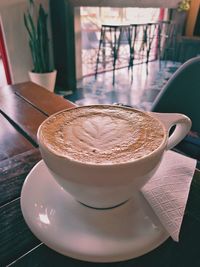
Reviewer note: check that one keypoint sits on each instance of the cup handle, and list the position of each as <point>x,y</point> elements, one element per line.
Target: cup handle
<point>182,123</point>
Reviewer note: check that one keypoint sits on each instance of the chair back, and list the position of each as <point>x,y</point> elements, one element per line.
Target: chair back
<point>181,93</point>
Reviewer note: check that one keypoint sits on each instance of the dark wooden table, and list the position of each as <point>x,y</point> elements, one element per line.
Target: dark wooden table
<point>22,108</point>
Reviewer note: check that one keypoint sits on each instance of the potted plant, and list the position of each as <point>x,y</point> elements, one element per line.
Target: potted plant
<point>35,20</point>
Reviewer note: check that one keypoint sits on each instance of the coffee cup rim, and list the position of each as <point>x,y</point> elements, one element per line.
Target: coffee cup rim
<point>72,160</point>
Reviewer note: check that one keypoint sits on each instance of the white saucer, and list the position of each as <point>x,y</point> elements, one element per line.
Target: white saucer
<point>75,230</point>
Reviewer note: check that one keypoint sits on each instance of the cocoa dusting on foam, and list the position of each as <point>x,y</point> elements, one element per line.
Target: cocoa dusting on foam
<point>102,134</point>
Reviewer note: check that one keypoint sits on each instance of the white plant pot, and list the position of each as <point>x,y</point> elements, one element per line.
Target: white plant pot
<point>46,80</point>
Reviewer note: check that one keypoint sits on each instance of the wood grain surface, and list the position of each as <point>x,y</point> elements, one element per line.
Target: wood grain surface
<point>15,237</point>
<point>21,115</point>
<point>41,98</point>
<point>13,173</point>
<point>11,141</point>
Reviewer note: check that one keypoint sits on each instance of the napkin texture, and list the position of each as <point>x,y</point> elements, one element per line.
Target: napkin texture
<point>167,191</point>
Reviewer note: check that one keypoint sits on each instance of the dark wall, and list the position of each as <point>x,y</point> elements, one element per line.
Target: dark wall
<point>62,22</point>
<point>197,25</point>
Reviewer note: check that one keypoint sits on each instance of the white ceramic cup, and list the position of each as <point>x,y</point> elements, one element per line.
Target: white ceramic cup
<point>109,185</point>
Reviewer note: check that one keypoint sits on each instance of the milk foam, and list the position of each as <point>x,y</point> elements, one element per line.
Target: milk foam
<point>102,134</point>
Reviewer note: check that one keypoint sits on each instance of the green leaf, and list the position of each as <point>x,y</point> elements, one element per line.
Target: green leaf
<point>38,39</point>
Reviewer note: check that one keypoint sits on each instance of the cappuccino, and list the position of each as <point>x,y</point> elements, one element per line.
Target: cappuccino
<point>103,134</point>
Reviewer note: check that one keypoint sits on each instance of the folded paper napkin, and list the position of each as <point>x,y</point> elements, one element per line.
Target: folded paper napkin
<point>167,191</point>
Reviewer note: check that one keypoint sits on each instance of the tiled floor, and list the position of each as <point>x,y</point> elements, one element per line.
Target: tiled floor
<point>138,90</point>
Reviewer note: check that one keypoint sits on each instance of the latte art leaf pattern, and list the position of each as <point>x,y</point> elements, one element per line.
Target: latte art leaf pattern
<point>102,134</point>
<point>99,133</point>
